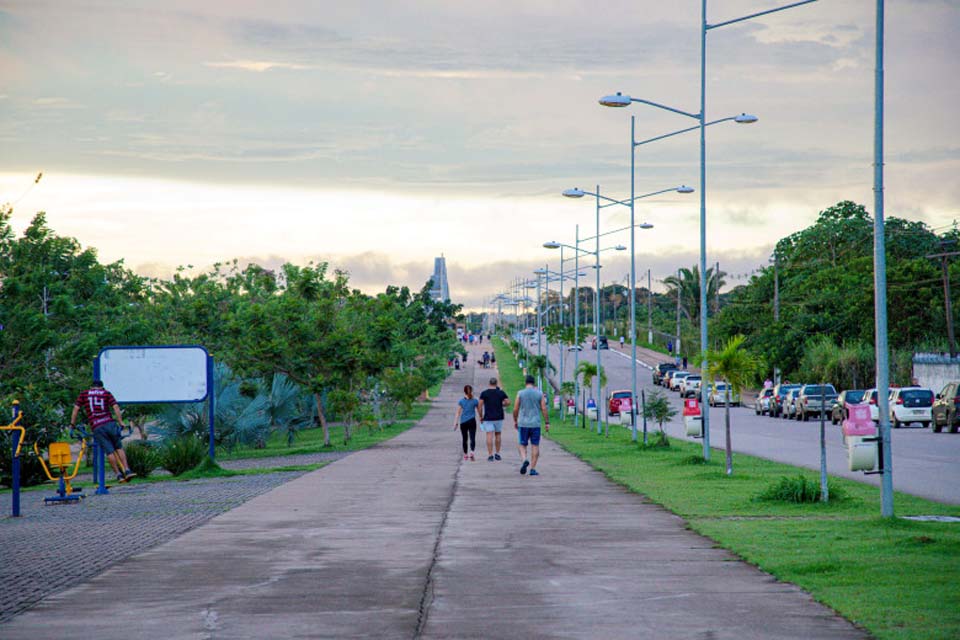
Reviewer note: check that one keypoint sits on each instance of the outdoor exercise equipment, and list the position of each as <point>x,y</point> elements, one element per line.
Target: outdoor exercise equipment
<point>59,456</point>
<point>18,434</point>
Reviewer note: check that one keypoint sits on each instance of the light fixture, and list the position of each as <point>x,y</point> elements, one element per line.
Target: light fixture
<point>552,244</point>
<point>617,100</point>
<point>573,193</point>
<point>745,118</point>
<point>684,189</point>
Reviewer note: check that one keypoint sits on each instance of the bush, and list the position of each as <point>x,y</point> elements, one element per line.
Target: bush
<point>182,454</point>
<point>799,490</point>
<point>696,459</point>
<point>142,457</point>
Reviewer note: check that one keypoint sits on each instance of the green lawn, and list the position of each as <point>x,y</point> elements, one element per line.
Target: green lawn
<point>896,578</point>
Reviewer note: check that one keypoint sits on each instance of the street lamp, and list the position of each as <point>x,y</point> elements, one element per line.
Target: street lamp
<point>621,100</point>
<point>553,244</point>
<point>579,193</point>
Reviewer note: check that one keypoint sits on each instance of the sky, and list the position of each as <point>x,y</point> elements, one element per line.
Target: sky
<point>376,135</point>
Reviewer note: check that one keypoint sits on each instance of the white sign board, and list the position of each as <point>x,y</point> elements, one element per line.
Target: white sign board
<point>155,374</point>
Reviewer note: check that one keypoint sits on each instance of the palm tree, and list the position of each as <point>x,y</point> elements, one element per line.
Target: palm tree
<point>688,283</point>
<point>588,371</point>
<point>736,366</point>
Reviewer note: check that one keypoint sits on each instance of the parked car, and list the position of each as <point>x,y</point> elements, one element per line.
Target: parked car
<point>870,398</point>
<point>764,400</point>
<point>667,379</point>
<point>788,406</point>
<point>944,411</point>
<point>690,386</point>
<point>718,395</point>
<point>909,405</point>
<point>613,400</point>
<point>603,343</point>
<point>838,412</point>
<point>676,379</point>
<point>574,347</point>
<point>661,369</point>
<point>781,394</point>
<point>815,400</point>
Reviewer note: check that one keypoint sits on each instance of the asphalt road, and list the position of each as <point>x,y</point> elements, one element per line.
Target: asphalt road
<point>925,464</point>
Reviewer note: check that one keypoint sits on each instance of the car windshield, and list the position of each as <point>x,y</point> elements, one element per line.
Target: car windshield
<point>854,397</point>
<point>621,394</point>
<point>689,378</point>
<point>794,393</point>
<point>767,393</point>
<point>721,387</point>
<point>819,390</point>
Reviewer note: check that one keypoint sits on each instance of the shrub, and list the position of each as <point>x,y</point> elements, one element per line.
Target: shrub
<point>696,459</point>
<point>142,457</point>
<point>182,454</point>
<point>798,490</point>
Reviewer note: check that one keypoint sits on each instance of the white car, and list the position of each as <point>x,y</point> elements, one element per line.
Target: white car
<point>676,379</point>
<point>911,404</point>
<point>690,385</point>
<point>870,398</point>
<point>718,396</point>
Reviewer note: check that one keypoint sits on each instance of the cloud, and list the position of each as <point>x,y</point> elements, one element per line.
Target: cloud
<point>56,102</point>
<point>258,66</point>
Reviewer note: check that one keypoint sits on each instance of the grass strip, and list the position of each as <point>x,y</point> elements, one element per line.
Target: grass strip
<point>896,578</point>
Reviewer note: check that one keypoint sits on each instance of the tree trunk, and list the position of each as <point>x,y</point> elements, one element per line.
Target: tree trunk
<point>726,411</point>
<point>323,420</point>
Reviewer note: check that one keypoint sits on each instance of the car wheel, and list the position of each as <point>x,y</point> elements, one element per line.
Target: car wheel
<point>805,416</point>
<point>936,426</point>
<point>896,423</point>
<point>756,410</point>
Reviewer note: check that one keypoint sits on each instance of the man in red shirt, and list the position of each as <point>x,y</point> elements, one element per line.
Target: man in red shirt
<point>97,403</point>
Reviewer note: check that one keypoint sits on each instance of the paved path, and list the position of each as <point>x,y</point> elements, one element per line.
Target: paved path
<point>407,540</point>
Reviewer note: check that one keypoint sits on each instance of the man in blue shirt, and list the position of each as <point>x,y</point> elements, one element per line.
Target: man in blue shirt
<point>530,405</point>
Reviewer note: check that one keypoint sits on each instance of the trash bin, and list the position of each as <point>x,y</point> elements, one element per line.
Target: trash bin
<point>858,427</point>
<point>626,412</point>
<point>592,409</point>
<point>693,417</point>
<point>571,407</point>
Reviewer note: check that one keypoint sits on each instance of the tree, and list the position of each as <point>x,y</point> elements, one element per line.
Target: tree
<point>737,367</point>
<point>688,284</point>
<point>659,409</point>
<point>588,371</point>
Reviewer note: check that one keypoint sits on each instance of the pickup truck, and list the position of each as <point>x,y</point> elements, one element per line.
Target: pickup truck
<point>814,399</point>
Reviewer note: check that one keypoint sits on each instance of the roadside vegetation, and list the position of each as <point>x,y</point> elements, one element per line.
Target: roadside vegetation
<point>304,363</point>
<point>896,578</point>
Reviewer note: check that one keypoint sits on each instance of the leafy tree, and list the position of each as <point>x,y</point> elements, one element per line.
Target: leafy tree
<point>659,409</point>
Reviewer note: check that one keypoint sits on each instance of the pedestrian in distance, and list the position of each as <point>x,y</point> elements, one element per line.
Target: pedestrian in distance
<point>684,363</point>
<point>466,420</point>
<point>492,402</point>
<point>530,405</point>
<point>97,403</point>
<point>621,343</point>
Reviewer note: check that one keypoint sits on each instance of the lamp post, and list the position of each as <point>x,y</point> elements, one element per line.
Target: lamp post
<point>620,100</point>
<point>553,244</point>
<point>579,193</point>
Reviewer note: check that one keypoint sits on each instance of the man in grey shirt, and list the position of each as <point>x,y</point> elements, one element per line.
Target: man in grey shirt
<point>530,405</point>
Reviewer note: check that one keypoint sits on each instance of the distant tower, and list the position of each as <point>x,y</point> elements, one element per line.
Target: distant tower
<point>440,290</point>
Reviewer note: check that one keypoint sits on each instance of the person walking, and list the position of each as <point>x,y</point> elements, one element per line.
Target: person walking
<point>531,404</point>
<point>97,403</point>
<point>467,421</point>
<point>492,402</point>
<point>684,363</point>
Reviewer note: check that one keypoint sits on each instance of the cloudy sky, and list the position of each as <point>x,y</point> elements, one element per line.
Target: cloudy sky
<point>378,134</point>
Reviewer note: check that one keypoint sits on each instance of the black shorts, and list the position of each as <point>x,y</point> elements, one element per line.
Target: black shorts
<point>108,436</point>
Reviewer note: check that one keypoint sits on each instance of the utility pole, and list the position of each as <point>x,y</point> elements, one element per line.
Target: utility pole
<point>649,310</point>
<point>947,302</point>
<point>716,278</point>
<point>677,344</point>
<point>776,304</point>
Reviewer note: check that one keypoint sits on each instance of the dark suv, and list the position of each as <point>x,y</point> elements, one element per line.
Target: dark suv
<point>945,407</point>
<point>661,369</point>
<point>602,344</point>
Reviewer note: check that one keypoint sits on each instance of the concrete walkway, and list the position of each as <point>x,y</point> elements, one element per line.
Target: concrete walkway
<point>407,540</point>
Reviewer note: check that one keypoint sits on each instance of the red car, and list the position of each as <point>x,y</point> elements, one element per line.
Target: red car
<point>613,406</point>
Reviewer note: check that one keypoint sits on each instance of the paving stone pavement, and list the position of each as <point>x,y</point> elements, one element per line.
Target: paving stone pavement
<point>408,540</point>
<point>55,547</point>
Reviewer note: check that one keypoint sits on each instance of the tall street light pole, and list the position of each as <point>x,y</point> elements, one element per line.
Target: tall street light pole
<point>880,282</point>
<point>579,193</point>
<point>620,100</point>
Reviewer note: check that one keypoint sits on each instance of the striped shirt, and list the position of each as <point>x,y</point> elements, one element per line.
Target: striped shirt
<point>96,403</point>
